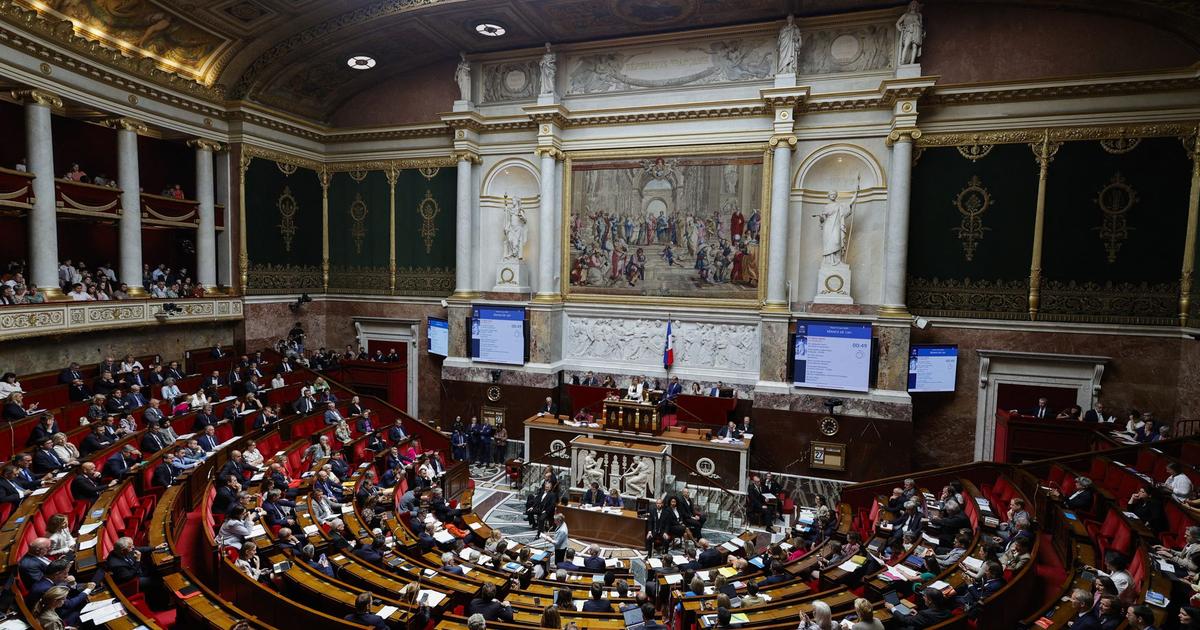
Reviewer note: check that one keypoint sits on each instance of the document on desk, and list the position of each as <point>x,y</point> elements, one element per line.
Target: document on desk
<point>89,528</point>
<point>974,564</point>
<point>104,614</point>
<point>387,611</point>
<point>674,578</point>
<point>99,603</point>
<point>432,598</point>
<point>848,566</point>
<point>88,544</point>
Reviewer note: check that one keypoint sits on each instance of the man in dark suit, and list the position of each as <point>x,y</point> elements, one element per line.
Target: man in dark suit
<point>450,564</point>
<point>1096,414</point>
<point>543,507</point>
<point>174,371</point>
<point>568,563</point>
<point>396,433</point>
<point>674,389</point>
<point>1080,498</point>
<point>373,553</point>
<point>226,496</point>
<point>656,526</point>
<point>86,486</point>
<point>135,398</point>
<point>487,605</point>
<point>549,408</point>
<point>936,610</point>
<point>97,440</point>
<point>730,430</point>
<point>122,464</point>
<point>1084,617</point>
<point>305,404</point>
<point>687,514</point>
<point>593,561</point>
<point>105,384</point>
<point>236,467</point>
<point>71,374</point>
<point>756,501</point>
<point>984,587</point>
<point>648,616</point>
<point>204,417</point>
<point>594,495</point>
<point>152,441</point>
<point>109,365</point>
<point>339,465</point>
<point>709,556</point>
<point>57,573</point>
<point>362,613</point>
<point>78,392</point>
<point>136,378</point>
<point>1042,410</point>
<point>164,473</point>
<point>32,566</point>
<point>947,525</point>
<point>117,403</point>
<point>217,352</point>
<point>45,460</point>
<point>208,438</point>
<point>589,380</point>
<point>597,603</point>
<point>908,522</point>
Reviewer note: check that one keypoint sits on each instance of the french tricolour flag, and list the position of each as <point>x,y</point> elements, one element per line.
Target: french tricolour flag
<point>669,348</point>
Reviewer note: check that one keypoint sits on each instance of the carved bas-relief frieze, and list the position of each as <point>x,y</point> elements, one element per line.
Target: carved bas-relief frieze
<point>511,81</point>
<point>690,64</point>
<point>67,317</point>
<point>720,349</point>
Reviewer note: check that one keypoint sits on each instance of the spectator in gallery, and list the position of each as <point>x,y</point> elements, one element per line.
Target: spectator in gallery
<point>176,192</point>
<point>159,289</point>
<point>78,294</point>
<point>76,174</point>
<point>22,166</point>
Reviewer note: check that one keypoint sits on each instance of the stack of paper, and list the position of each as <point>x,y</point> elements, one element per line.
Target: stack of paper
<point>432,598</point>
<point>387,611</point>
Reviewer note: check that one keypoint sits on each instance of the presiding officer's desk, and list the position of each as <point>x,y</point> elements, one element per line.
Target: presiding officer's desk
<point>621,527</point>
<point>729,460</point>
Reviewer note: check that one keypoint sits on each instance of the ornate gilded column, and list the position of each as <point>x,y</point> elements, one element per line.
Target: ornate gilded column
<point>43,218</point>
<point>463,269</point>
<point>548,236</point>
<point>1189,241</point>
<point>206,228</point>
<point>243,253</point>
<point>393,175</point>
<point>129,180</point>
<point>325,177</point>
<point>896,231</point>
<point>781,184</point>
<point>1044,153</point>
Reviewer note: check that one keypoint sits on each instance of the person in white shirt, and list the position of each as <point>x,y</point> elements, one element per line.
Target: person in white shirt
<point>171,391</point>
<point>9,385</point>
<point>1178,483</point>
<point>61,540</point>
<point>251,456</point>
<point>129,363</point>
<point>1135,422</point>
<point>636,389</point>
<point>278,382</point>
<point>198,400</point>
<point>78,294</point>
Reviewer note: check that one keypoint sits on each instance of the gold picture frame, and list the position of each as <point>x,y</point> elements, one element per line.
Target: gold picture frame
<point>757,150</point>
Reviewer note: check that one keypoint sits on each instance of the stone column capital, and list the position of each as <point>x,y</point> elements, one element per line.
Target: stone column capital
<point>41,97</point>
<point>552,152</point>
<point>903,134</point>
<point>779,139</point>
<point>468,156</point>
<point>128,124</point>
<point>204,144</point>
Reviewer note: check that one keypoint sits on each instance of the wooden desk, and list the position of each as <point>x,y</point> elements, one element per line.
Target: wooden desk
<point>729,461</point>
<point>624,529</point>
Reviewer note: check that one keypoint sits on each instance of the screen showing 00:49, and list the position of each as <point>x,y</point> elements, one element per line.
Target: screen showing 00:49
<point>439,336</point>
<point>498,335</point>
<point>832,356</point>
<point>932,368</point>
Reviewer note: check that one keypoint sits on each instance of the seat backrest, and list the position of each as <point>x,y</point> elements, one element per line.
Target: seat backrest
<point>1112,521</point>
<point>1122,538</point>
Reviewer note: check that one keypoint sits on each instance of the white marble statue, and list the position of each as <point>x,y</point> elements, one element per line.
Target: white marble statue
<point>640,477</point>
<point>462,76</point>
<point>835,228</point>
<point>593,469</point>
<point>514,229</point>
<point>910,29</point>
<point>548,64</point>
<point>789,46</point>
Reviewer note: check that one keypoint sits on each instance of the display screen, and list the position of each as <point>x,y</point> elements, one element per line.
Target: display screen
<point>438,334</point>
<point>498,335</point>
<point>932,368</point>
<point>831,355</point>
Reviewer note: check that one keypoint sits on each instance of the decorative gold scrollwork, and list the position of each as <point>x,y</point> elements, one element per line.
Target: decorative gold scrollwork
<point>358,176</point>
<point>1117,146</point>
<point>428,209</point>
<point>1115,199</point>
<point>287,169</point>
<point>975,152</point>
<point>972,202</point>
<point>358,214</point>
<point>288,207</point>
<point>428,172</point>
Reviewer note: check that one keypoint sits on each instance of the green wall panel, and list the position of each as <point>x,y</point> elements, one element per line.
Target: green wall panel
<point>283,228</point>
<point>425,231</point>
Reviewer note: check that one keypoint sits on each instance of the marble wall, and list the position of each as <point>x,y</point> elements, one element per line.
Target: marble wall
<point>1144,372</point>
<point>42,354</point>
<point>266,323</point>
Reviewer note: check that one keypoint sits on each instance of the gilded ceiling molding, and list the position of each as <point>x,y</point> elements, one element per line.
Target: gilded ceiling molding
<point>1068,88</point>
<point>250,151</point>
<point>1056,134</point>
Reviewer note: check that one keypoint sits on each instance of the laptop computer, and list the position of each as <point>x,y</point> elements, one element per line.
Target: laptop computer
<point>633,617</point>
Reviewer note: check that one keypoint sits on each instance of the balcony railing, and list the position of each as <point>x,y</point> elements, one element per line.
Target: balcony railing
<point>55,318</point>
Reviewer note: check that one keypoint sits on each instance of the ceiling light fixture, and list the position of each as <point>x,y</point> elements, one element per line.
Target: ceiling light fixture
<point>490,30</point>
<point>361,62</point>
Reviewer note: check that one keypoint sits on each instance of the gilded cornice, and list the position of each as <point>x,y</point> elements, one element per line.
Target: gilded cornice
<point>1064,88</point>
<point>277,125</point>
<point>617,117</point>
<point>250,151</point>
<point>40,97</point>
<point>390,134</point>
<point>1055,134</point>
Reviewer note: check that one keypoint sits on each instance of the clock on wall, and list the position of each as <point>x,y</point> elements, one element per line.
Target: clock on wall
<point>829,426</point>
<point>493,393</point>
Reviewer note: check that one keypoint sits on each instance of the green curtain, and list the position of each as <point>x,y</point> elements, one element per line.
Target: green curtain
<point>971,232</point>
<point>359,220</point>
<point>283,228</point>
<point>425,231</point>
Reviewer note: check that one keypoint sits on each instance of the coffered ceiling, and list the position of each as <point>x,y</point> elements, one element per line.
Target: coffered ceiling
<point>291,54</point>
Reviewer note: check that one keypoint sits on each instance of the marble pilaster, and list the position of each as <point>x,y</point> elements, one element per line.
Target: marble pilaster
<point>896,236</point>
<point>547,235</point>
<point>463,252</point>
<point>781,173</point>
<point>773,354</point>
<point>206,229</point>
<point>893,343</point>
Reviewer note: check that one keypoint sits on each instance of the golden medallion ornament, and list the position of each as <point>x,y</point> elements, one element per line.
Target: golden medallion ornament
<point>1117,146</point>
<point>358,214</point>
<point>972,203</point>
<point>357,176</point>
<point>428,172</point>
<point>287,169</point>
<point>428,209</point>
<point>1115,199</point>
<point>288,207</point>
<point>975,152</point>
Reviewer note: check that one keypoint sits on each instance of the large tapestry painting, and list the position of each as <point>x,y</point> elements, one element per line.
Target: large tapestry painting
<point>674,226</point>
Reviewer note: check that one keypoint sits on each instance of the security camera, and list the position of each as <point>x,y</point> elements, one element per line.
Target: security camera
<point>445,303</point>
<point>920,323</point>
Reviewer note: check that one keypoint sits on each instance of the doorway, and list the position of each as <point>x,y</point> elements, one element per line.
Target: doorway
<point>384,334</point>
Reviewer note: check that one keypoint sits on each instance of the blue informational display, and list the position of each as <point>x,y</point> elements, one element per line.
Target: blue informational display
<point>932,368</point>
<point>439,336</point>
<point>832,356</point>
<point>498,335</point>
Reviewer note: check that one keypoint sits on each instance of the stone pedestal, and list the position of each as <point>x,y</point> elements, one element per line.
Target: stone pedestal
<point>908,70</point>
<point>833,285</point>
<point>787,79</point>
<point>463,106</point>
<point>512,277</point>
